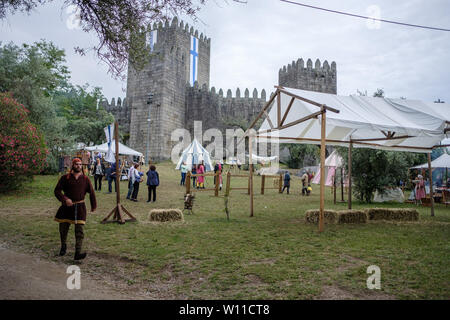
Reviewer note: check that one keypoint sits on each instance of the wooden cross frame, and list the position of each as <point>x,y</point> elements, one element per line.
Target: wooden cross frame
<point>119,209</point>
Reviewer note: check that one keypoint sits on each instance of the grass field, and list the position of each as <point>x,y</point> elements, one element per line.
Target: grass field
<point>273,255</point>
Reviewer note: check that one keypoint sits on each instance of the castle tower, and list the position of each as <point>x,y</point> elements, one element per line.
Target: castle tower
<point>320,78</point>
<point>179,57</point>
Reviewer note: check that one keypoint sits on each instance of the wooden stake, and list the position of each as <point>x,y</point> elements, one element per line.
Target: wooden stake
<point>227,190</point>
<point>322,170</point>
<point>263,179</point>
<point>280,183</point>
<point>216,190</point>
<point>118,215</point>
<point>250,151</point>
<point>431,184</point>
<point>350,175</point>
<point>188,184</point>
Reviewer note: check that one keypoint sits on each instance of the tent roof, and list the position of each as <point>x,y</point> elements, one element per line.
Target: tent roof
<point>294,115</point>
<point>123,149</point>
<point>195,154</point>
<point>442,162</point>
<point>334,160</point>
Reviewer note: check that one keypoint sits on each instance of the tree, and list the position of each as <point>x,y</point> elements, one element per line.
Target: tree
<point>22,148</point>
<point>377,169</point>
<point>120,25</point>
<point>301,154</point>
<point>85,116</point>
<point>33,74</point>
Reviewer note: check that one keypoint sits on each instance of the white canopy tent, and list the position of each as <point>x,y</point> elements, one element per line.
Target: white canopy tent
<point>195,154</point>
<point>442,162</point>
<point>123,149</point>
<point>299,116</point>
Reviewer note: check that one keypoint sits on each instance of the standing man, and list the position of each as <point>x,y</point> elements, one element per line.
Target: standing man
<point>287,182</point>
<point>70,190</point>
<point>184,170</point>
<point>305,181</point>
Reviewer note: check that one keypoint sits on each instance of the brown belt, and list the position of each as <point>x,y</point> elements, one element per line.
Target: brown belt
<point>75,202</point>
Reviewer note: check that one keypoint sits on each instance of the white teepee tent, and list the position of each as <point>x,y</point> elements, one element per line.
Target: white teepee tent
<point>195,154</point>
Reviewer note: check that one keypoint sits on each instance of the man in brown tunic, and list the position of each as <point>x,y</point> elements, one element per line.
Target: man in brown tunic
<point>70,190</point>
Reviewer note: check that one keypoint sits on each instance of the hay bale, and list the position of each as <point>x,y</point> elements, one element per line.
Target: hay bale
<point>312,216</point>
<point>402,214</point>
<point>163,215</point>
<point>352,216</point>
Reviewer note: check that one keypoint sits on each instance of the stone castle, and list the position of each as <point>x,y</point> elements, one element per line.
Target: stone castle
<point>178,76</point>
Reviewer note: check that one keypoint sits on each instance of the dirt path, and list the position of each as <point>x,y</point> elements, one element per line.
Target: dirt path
<point>24,276</point>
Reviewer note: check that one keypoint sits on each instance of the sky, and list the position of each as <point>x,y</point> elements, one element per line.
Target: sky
<point>251,42</point>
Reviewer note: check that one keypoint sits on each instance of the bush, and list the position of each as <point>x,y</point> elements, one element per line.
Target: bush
<point>163,215</point>
<point>22,148</point>
<point>393,214</point>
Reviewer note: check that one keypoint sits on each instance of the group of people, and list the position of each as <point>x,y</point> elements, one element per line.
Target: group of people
<point>306,182</point>
<point>199,182</point>
<point>135,177</point>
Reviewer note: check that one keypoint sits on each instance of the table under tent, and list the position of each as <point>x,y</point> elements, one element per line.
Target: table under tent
<point>299,116</point>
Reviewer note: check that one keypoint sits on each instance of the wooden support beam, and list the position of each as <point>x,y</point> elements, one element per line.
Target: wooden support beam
<point>430,172</point>
<point>287,110</point>
<point>350,175</point>
<point>322,169</point>
<point>278,110</point>
<point>250,152</point>
<point>227,188</point>
<point>263,180</point>
<point>293,123</point>
<point>307,100</point>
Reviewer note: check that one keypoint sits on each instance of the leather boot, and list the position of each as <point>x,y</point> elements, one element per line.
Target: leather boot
<point>63,250</point>
<point>79,255</point>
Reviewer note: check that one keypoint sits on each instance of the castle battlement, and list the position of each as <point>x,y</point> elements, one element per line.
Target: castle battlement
<point>182,28</point>
<point>229,94</point>
<point>320,77</point>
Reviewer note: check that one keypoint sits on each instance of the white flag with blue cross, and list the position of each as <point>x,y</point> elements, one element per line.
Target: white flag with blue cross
<point>194,60</point>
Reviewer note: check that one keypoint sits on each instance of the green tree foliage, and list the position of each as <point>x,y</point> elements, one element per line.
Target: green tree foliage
<point>120,25</point>
<point>85,116</point>
<point>377,169</point>
<point>22,148</point>
<point>302,154</point>
<point>33,74</point>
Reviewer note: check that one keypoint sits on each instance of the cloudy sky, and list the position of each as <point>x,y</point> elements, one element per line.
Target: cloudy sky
<point>250,42</point>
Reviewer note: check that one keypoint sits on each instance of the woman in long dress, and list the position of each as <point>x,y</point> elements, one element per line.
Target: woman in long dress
<point>201,179</point>
<point>420,189</point>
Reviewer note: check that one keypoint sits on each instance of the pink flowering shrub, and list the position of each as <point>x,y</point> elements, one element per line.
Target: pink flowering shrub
<point>22,148</point>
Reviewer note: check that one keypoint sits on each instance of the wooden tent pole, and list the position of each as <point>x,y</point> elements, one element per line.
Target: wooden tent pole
<point>431,184</point>
<point>322,169</point>
<point>342,184</point>
<point>250,168</point>
<point>350,175</point>
<point>118,173</point>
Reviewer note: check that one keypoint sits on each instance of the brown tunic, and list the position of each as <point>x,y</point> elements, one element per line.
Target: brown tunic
<point>74,189</point>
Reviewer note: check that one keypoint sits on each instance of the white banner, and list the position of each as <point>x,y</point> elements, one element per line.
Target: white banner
<point>109,132</point>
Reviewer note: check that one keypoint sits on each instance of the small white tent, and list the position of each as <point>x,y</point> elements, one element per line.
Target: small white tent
<point>195,154</point>
<point>123,149</point>
<point>442,162</point>
<point>333,162</point>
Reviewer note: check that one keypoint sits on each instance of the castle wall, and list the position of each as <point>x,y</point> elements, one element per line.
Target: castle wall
<point>320,78</point>
<point>177,104</point>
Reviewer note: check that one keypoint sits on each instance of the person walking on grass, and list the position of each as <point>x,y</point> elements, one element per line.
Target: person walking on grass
<point>99,172</point>
<point>184,169</point>
<point>152,183</point>
<point>287,182</point>
<point>201,179</point>
<point>130,181</point>
<point>71,190</point>
<point>137,180</point>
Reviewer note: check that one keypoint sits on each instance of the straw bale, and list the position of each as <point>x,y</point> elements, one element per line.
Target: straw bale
<point>163,215</point>
<point>398,214</point>
<point>312,216</point>
<point>352,216</point>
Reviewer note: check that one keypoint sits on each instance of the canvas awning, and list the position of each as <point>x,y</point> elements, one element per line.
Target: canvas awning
<point>442,162</point>
<point>123,149</point>
<point>380,123</point>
